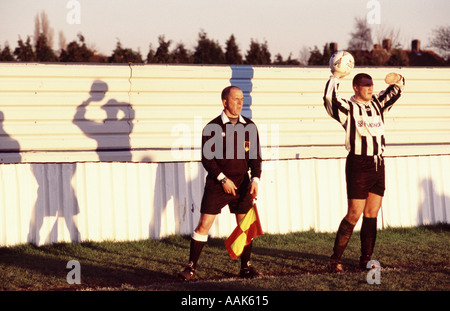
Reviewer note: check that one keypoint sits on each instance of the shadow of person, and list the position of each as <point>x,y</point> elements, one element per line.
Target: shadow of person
<point>56,198</point>
<point>112,134</point>
<point>9,146</point>
<point>435,207</point>
<point>177,192</point>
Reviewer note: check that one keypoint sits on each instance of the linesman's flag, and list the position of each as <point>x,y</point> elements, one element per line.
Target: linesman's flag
<point>249,227</point>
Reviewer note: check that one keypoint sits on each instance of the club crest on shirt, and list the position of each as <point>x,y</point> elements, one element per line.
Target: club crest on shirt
<point>247,146</point>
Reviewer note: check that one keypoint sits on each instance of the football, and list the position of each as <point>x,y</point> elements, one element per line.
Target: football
<point>342,62</point>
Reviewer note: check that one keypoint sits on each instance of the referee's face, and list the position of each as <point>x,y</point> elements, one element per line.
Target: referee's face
<point>233,104</point>
<point>363,91</point>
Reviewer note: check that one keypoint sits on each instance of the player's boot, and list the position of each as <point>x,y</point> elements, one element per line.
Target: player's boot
<point>188,273</point>
<point>249,272</point>
<point>335,266</point>
<point>364,260</point>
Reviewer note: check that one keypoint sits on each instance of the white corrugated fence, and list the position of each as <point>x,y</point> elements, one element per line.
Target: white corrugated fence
<point>111,152</point>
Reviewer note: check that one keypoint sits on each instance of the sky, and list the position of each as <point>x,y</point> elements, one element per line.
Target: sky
<point>288,26</point>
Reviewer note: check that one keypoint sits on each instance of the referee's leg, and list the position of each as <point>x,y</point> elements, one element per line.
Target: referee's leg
<point>200,237</point>
<point>198,240</point>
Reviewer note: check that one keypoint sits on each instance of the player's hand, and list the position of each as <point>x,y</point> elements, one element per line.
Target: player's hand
<point>254,189</point>
<point>392,78</point>
<point>229,187</point>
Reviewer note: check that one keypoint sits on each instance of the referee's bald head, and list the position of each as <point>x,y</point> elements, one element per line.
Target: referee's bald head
<point>226,91</point>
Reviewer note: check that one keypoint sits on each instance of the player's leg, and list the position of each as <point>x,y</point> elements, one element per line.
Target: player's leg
<point>368,231</point>
<point>344,233</point>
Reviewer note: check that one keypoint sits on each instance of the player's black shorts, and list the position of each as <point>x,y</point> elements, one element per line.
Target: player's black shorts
<point>215,198</point>
<point>364,174</point>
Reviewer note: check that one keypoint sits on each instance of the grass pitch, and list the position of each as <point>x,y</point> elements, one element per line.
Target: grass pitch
<point>412,259</point>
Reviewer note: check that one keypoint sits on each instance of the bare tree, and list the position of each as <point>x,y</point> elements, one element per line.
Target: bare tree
<point>361,39</point>
<point>441,40</point>
<point>304,55</point>
<point>384,32</point>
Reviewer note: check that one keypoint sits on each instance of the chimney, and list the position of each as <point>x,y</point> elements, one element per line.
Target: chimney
<point>415,46</point>
<point>387,44</point>
<point>333,47</point>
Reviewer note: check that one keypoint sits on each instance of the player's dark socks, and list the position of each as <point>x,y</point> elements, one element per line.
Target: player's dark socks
<point>368,236</point>
<point>343,235</point>
<point>195,251</point>
<point>245,256</point>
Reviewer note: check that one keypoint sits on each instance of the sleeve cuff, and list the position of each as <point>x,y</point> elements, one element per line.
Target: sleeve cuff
<point>221,176</point>
<point>255,179</point>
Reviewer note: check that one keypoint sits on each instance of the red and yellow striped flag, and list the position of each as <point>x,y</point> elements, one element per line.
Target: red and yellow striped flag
<point>249,227</point>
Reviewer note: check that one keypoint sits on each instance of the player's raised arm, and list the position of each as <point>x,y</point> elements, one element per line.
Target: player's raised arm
<point>341,65</point>
<point>389,96</point>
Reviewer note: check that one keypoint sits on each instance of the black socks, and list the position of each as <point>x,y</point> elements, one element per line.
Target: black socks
<point>245,256</point>
<point>368,236</point>
<point>197,243</point>
<point>342,237</point>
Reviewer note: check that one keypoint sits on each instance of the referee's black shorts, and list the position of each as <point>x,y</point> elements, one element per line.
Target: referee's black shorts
<point>364,174</point>
<point>215,198</point>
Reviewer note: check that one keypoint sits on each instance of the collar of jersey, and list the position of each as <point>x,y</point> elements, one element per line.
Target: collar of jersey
<point>226,120</point>
<point>360,102</point>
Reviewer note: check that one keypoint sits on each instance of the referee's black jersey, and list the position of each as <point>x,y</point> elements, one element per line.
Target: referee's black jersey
<point>363,122</point>
<point>231,150</point>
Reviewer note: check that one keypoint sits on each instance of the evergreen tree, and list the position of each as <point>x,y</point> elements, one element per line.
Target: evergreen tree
<point>181,55</point>
<point>76,52</point>
<point>44,53</point>
<point>150,54</point>
<point>258,54</point>
<point>6,55</point>
<point>24,52</point>
<point>316,58</point>
<point>232,53</point>
<point>208,51</point>
<point>162,55</point>
<point>122,55</point>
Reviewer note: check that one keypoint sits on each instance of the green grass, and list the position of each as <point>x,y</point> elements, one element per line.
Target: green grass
<point>413,259</point>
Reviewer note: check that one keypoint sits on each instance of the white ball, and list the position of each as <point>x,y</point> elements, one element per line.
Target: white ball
<point>342,62</point>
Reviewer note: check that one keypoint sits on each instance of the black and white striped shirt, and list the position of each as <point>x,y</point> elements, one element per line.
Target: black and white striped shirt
<point>363,122</point>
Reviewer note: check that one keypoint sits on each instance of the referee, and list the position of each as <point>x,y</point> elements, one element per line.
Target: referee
<point>230,149</point>
<point>362,118</point>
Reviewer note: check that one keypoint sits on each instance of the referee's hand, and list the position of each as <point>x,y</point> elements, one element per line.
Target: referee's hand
<point>229,187</point>
<point>254,189</point>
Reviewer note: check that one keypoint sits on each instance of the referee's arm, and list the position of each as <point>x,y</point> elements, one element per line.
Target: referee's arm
<point>255,159</point>
<point>210,162</point>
